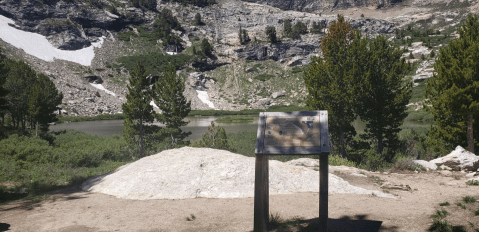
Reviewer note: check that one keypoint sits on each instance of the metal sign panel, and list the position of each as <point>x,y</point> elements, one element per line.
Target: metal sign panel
<point>289,133</point>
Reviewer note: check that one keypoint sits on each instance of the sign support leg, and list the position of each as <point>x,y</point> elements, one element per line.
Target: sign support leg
<point>261,194</point>
<point>323,192</point>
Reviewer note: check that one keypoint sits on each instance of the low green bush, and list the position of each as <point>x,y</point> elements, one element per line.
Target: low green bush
<point>215,137</point>
<point>263,77</point>
<point>234,119</point>
<point>469,199</point>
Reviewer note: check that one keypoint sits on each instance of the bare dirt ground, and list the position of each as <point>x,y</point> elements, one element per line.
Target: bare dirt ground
<point>74,210</point>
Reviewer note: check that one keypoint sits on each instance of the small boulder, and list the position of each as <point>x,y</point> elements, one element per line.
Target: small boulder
<point>264,101</point>
<point>359,175</point>
<point>278,94</point>
<point>426,164</point>
<point>459,159</point>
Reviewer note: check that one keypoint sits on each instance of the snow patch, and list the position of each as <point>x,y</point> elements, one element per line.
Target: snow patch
<point>203,96</point>
<point>152,103</point>
<point>37,45</point>
<point>100,87</point>
<point>172,53</point>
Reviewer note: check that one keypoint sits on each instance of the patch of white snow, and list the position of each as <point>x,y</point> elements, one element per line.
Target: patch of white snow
<point>38,46</point>
<point>100,87</point>
<point>203,96</point>
<point>152,103</point>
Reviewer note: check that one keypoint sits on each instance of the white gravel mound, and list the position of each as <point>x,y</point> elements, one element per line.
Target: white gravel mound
<point>203,172</point>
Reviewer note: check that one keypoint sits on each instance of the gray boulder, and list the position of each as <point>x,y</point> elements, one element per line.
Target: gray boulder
<point>278,94</point>
<point>459,159</point>
<point>264,101</point>
<point>426,164</point>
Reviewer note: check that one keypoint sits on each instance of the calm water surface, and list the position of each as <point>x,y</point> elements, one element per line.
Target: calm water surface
<point>197,125</point>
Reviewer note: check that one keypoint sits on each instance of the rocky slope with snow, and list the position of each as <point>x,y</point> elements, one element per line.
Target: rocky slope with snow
<point>77,44</point>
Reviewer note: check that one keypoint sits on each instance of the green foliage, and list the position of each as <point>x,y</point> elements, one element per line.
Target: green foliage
<point>138,112</point>
<point>330,85</point>
<point>198,21</point>
<point>163,26</point>
<point>271,34</point>
<point>168,96</point>
<point>37,166</point>
<point>32,98</point>
<point>316,28</point>
<point>234,119</point>
<point>469,199</point>
<point>154,62</point>
<point>374,161</point>
<point>445,204</point>
<point>243,36</point>
<point>473,182</point>
<point>287,28</point>
<point>453,91</point>
<point>440,214</point>
<point>263,77</point>
<point>206,47</point>
<point>200,3</point>
<point>382,96</point>
<point>148,4</point>
<point>215,137</point>
<point>444,226</point>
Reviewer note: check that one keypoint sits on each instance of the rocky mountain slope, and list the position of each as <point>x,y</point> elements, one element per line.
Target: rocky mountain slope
<point>235,76</point>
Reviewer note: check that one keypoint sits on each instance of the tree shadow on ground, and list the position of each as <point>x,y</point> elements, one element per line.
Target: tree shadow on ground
<point>4,227</point>
<point>344,224</point>
<point>15,198</point>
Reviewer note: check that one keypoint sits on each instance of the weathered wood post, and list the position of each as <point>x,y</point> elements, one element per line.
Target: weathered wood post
<point>290,133</point>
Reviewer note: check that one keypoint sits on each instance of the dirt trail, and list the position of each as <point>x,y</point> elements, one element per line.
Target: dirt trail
<point>74,210</point>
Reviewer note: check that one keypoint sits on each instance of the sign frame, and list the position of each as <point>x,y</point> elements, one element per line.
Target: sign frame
<point>263,149</point>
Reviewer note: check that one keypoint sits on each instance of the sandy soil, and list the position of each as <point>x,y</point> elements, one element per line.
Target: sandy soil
<point>74,210</point>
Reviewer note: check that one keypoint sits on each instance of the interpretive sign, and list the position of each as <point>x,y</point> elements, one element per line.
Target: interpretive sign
<point>289,133</point>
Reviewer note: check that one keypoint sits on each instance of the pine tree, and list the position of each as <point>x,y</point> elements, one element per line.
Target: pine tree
<point>287,28</point>
<point>271,34</point>
<point>18,84</point>
<point>453,91</point>
<point>240,35</point>
<point>168,96</point>
<point>382,97</point>
<point>198,19</point>
<point>246,38</point>
<point>138,112</point>
<point>3,91</point>
<point>206,47</point>
<point>330,85</point>
<point>43,101</point>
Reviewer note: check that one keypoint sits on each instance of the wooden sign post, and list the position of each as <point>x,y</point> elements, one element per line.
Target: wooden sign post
<point>290,133</point>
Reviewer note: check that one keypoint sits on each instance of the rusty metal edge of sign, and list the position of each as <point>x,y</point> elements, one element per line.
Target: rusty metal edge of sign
<point>324,134</point>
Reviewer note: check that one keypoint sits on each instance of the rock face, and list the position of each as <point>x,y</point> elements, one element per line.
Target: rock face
<point>314,5</point>
<point>426,164</point>
<point>459,159</point>
<point>68,25</point>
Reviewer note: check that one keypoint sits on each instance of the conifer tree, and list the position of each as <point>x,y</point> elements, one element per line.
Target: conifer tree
<point>287,28</point>
<point>138,112</point>
<point>330,85</point>
<point>198,19</point>
<point>168,96</point>
<point>43,101</point>
<point>271,34</point>
<point>382,97</point>
<point>453,91</point>
<point>3,90</point>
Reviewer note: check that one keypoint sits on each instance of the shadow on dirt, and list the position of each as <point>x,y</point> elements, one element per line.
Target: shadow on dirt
<point>4,227</point>
<point>344,224</point>
<point>12,199</point>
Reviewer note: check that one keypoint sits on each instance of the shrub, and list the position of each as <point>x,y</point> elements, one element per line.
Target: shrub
<point>215,137</point>
<point>374,161</point>
<point>263,77</point>
<point>271,34</point>
<point>473,182</point>
<point>469,199</point>
<point>444,204</point>
<point>440,214</point>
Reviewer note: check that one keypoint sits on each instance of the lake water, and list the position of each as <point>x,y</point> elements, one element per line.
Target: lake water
<point>197,125</point>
